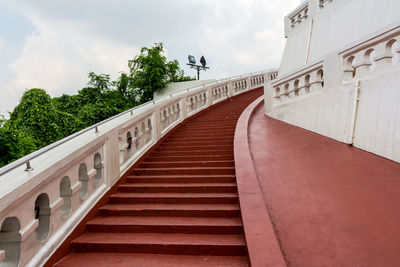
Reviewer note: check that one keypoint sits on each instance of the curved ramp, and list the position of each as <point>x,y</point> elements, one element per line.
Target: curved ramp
<point>331,204</point>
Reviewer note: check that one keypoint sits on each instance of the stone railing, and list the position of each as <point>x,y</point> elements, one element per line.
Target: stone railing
<point>299,83</point>
<point>299,15</point>
<point>44,195</point>
<point>373,55</point>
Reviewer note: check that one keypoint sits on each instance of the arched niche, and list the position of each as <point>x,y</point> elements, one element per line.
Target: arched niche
<point>320,77</point>
<point>42,213</point>
<point>65,194</point>
<point>129,142</point>
<point>10,242</point>
<point>296,87</point>
<point>98,166</point>
<point>307,83</point>
<point>149,130</point>
<point>84,179</point>
<point>137,143</point>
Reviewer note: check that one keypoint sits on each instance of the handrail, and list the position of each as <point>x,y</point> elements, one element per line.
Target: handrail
<point>26,159</point>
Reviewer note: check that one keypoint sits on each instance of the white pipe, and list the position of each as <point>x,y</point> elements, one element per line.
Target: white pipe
<point>309,40</point>
<point>356,101</point>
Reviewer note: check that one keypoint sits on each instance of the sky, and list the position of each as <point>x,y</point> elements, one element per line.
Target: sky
<point>54,44</point>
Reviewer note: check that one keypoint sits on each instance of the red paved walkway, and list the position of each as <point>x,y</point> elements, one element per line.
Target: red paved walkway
<point>331,204</point>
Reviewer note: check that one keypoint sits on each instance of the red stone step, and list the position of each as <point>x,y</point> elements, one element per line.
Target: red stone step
<point>179,210</point>
<point>184,171</point>
<point>188,143</point>
<point>184,138</point>
<point>179,187</point>
<point>149,260</point>
<point>192,153</point>
<point>209,134</point>
<point>178,164</point>
<point>188,225</point>
<point>182,179</point>
<point>159,243</point>
<point>209,126</point>
<point>171,198</point>
<point>190,158</point>
<point>174,147</point>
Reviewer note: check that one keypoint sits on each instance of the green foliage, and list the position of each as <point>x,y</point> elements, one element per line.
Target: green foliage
<point>175,73</point>
<point>14,145</point>
<point>2,120</point>
<point>100,82</point>
<point>68,124</point>
<point>40,120</point>
<point>150,71</point>
<point>35,116</point>
<point>68,104</point>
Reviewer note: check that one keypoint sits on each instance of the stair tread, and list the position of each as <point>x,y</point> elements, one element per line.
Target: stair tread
<point>187,162</point>
<point>183,176</point>
<point>187,168</point>
<point>178,184</point>
<point>160,206</point>
<point>147,260</point>
<point>174,195</point>
<point>161,238</point>
<point>170,221</point>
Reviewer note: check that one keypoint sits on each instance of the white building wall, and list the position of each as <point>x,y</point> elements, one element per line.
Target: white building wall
<point>356,45</point>
<point>334,26</point>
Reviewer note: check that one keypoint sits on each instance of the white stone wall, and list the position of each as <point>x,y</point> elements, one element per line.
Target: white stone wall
<point>357,99</point>
<point>334,26</point>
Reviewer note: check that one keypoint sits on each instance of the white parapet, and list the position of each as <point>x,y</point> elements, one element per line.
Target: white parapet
<point>42,202</point>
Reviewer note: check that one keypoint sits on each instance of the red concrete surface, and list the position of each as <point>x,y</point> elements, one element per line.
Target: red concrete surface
<point>180,199</point>
<point>331,204</point>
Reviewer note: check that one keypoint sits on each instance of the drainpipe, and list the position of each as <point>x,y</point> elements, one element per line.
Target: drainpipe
<point>309,40</point>
<point>356,100</point>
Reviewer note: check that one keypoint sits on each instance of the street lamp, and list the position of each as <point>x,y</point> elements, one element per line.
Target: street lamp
<point>192,64</point>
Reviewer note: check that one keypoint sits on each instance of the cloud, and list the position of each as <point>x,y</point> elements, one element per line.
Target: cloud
<point>70,39</point>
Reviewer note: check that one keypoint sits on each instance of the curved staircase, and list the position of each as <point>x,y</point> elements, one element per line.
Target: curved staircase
<point>179,207</point>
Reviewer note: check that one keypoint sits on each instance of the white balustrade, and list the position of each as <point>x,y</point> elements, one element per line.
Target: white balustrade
<point>371,56</point>
<point>273,75</point>
<point>42,204</point>
<point>307,80</point>
<point>220,92</point>
<point>299,15</point>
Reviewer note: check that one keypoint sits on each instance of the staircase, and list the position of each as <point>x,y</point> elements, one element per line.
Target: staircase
<point>179,207</point>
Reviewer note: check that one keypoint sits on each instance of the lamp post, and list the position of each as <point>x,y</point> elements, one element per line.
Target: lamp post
<point>192,64</point>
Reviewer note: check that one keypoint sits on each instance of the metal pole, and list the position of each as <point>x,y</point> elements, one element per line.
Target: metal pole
<point>198,73</point>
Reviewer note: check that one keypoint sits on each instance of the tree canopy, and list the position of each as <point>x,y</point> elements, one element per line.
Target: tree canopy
<point>39,120</point>
<point>150,71</point>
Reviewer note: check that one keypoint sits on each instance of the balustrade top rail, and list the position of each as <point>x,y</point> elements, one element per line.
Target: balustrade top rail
<point>26,159</point>
<point>296,73</point>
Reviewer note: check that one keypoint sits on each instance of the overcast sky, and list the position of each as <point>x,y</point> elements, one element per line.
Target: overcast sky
<point>54,44</point>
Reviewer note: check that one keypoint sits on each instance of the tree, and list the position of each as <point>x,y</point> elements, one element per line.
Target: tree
<point>101,82</point>
<point>35,116</point>
<point>150,71</point>
<point>175,73</point>
<point>14,144</point>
